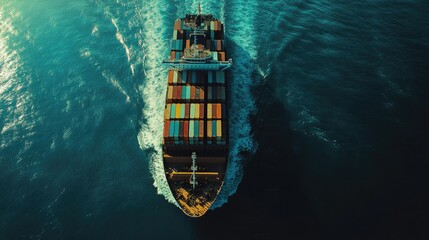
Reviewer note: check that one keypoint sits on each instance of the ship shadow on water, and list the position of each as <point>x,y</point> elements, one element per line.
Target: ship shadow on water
<point>268,203</point>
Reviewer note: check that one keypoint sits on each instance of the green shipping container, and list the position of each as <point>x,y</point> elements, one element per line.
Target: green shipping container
<point>220,77</point>
<point>184,76</point>
<point>209,92</point>
<point>194,77</point>
<point>182,111</point>
<point>173,111</point>
<point>210,76</point>
<point>196,129</point>
<point>188,92</point>
<point>176,130</point>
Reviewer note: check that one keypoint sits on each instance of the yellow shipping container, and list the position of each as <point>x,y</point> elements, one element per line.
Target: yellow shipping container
<point>177,110</point>
<point>219,128</point>
<point>197,111</point>
<point>209,111</point>
<point>167,112</point>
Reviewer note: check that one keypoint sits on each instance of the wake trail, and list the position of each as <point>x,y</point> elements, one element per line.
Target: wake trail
<point>154,42</point>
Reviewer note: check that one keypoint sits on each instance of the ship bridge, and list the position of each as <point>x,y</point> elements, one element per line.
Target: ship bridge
<point>201,48</point>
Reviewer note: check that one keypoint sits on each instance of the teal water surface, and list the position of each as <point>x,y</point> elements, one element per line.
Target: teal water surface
<point>328,126</point>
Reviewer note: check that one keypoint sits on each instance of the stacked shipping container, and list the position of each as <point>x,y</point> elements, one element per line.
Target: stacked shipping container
<point>195,110</point>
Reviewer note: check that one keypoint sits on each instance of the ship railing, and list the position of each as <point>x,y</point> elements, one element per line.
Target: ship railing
<point>205,65</point>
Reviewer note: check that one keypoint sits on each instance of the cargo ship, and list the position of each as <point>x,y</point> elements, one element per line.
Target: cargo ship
<point>195,136</point>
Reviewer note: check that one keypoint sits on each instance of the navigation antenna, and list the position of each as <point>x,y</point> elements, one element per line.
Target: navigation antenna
<point>194,47</point>
<point>193,179</point>
<point>199,8</point>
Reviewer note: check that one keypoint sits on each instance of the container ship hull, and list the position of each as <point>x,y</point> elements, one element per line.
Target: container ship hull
<point>195,137</point>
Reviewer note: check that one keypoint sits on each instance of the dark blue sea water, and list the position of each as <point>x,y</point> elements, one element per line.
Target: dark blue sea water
<point>329,120</point>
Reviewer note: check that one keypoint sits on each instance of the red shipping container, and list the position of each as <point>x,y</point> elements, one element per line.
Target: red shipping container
<point>186,131</point>
<point>219,45</point>
<point>173,55</point>
<point>214,112</point>
<point>186,111</point>
<point>174,92</point>
<point>179,92</point>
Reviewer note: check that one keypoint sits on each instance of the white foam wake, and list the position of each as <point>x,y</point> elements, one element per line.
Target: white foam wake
<point>154,43</point>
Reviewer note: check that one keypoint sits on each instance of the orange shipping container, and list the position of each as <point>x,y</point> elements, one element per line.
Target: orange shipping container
<point>170,77</point>
<point>188,43</point>
<point>177,25</point>
<point>201,93</point>
<point>173,55</point>
<point>166,128</point>
<point>201,111</point>
<point>221,56</point>
<point>219,110</point>
<point>192,92</point>
<point>201,133</point>
<point>209,129</point>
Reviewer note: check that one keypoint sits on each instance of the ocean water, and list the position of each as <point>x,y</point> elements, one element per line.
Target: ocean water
<point>329,120</point>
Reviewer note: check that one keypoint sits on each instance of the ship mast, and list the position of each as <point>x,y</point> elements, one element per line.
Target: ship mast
<point>194,47</point>
<point>193,179</point>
